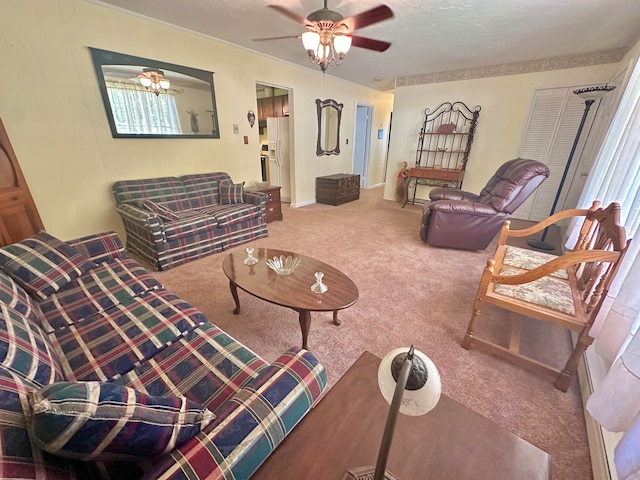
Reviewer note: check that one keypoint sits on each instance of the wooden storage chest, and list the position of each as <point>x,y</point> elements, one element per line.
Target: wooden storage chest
<point>337,189</point>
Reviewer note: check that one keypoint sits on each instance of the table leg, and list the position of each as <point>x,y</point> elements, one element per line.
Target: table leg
<point>234,293</point>
<point>336,320</point>
<point>305,323</point>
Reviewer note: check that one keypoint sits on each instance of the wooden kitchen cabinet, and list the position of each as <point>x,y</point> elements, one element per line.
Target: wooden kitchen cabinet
<point>281,106</point>
<point>265,108</point>
<point>277,106</point>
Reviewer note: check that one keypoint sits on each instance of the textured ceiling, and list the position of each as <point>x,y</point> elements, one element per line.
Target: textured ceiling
<point>428,36</point>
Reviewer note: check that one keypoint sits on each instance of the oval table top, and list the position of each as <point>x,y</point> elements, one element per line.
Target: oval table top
<point>294,290</point>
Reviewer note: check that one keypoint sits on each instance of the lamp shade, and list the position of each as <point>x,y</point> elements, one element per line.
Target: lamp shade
<point>414,402</point>
<point>310,40</point>
<point>145,81</point>
<point>341,44</point>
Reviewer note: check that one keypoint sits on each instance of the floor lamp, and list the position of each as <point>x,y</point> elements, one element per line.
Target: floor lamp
<point>589,95</point>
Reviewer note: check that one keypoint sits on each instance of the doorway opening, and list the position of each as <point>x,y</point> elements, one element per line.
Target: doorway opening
<point>276,138</point>
<point>362,142</point>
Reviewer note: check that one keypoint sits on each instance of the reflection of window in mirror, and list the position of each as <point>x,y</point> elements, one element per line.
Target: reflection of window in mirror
<point>329,114</point>
<point>146,98</point>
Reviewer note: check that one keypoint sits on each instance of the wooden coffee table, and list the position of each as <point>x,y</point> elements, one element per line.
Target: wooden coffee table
<point>451,442</point>
<point>294,290</point>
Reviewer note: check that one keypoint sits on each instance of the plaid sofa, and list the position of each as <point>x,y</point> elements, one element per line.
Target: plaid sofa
<point>191,220</point>
<point>98,320</point>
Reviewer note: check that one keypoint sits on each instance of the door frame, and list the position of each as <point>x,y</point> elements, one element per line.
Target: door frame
<point>367,141</point>
<point>292,155</point>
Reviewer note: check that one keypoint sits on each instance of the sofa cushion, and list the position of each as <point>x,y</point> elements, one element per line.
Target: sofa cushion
<point>193,224</point>
<point>203,189</point>
<point>231,193</point>
<point>226,215</point>
<point>100,289</point>
<point>24,349</point>
<point>103,421</point>
<point>112,342</point>
<point>16,297</point>
<point>166,190</point>
<point>160,210</point>
<point>42,264</point>
<point>206,365</point>
<point>251,424</point>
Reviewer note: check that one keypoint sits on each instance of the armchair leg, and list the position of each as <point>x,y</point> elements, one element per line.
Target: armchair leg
<point>468,337</point>
<point>564,380</point>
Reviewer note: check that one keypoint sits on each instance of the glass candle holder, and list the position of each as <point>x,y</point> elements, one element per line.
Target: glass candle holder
<point>319,287</point>
<point>250,260</point>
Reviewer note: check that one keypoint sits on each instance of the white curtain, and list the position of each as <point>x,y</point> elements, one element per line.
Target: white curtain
<point>139,111</point>
<point>615,177</point>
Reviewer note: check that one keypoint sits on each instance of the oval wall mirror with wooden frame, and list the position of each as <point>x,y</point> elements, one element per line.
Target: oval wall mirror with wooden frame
<point>186,109</point>
<point>329,116</point>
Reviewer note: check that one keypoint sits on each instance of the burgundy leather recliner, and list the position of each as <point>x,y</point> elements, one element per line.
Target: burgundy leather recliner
<point>457,219</point>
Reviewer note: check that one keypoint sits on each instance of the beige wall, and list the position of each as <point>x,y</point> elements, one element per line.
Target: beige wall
<point>53,112</point>
<point>505,103</point>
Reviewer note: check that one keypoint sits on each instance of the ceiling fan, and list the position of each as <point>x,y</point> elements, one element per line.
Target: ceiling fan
<point>329,35</point>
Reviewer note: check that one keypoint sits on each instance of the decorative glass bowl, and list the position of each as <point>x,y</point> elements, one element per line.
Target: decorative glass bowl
<point>282,265</point>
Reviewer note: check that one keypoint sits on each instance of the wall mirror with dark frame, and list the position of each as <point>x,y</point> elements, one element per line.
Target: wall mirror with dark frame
<point>329,116</point>
<point>146,98</point>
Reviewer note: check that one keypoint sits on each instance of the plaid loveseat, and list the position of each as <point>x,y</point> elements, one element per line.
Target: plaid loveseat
<point>172,220</point>
<point>106,374</point>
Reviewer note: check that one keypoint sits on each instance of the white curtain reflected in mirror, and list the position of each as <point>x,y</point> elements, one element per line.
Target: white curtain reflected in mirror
<point>329,115</point>
<point>146,98</point>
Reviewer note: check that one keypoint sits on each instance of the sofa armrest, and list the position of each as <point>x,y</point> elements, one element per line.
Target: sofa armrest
<point>250,425</point>
<point>100,247</point>
<point>441,193</point>
<point>142,225</point>
<point>255,198</point>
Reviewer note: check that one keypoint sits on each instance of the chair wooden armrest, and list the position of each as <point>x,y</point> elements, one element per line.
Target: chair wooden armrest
<point>566,290</point>
<point>506,232</point>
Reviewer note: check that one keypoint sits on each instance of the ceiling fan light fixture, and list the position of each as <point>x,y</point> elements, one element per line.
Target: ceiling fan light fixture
<point>154,80</point>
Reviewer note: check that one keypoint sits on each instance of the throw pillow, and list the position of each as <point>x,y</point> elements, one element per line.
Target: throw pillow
<point>42,264</point>
<point>105,421</point>
<point>160,210</point>
<point>231,193</point>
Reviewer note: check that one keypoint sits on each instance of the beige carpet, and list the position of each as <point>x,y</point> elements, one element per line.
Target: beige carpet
<point>410,293</point>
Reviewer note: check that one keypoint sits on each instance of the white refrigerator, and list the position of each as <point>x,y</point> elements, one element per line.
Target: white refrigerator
<point>279,155</point>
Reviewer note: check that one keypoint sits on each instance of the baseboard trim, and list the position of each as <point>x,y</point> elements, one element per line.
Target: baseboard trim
<point>302,204</point>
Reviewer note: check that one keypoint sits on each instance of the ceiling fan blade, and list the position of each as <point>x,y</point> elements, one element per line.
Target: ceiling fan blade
<point>289,14</point>
<point>369,43</point>
<point>274,38</point>
<point>364,19</point>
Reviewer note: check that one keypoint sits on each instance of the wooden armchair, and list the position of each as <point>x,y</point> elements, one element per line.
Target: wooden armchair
<point>566,290</point>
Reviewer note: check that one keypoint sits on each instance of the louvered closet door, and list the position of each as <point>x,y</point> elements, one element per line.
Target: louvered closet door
<point>551,129</point>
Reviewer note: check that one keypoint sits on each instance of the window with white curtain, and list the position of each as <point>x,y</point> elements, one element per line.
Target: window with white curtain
<point>139,111</point>
<point>615,177</point>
